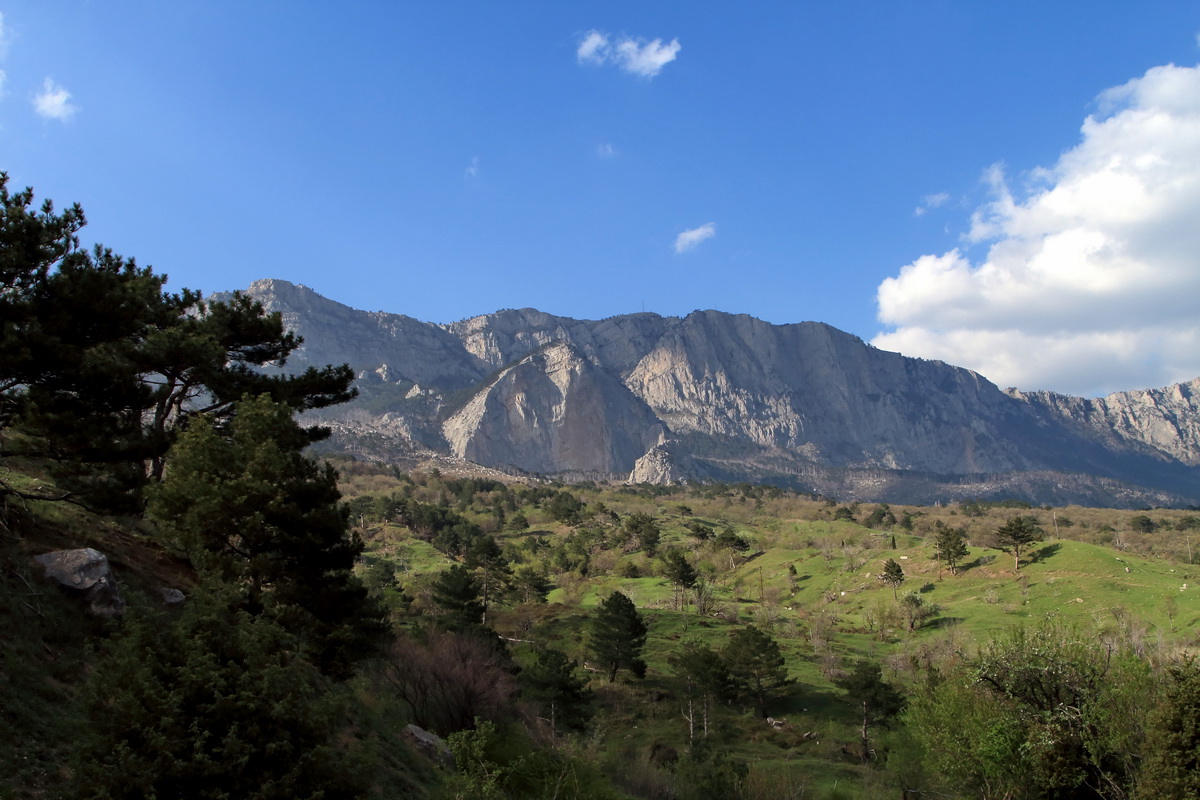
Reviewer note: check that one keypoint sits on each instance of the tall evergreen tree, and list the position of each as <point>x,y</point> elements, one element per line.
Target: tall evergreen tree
<point>644,530</point>
<point>681,574</point>
<point>878,700</point>
<point>251,508</point>
<point>1017,534</point>
<point>892,574</point>
<point>756,665</point>
<point>950,547</point>
<point>456,593</point>
<point>703,678</point>
<point>618,636</point>
<point>493,569</point>
<point>99,365</point>
<point>561,695</point>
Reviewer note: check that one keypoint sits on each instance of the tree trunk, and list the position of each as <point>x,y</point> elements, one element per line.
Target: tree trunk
<point>866,743</point>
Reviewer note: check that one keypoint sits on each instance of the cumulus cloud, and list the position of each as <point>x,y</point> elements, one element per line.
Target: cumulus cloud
<point>690,238</point>
<point>1089,280</point>
<point>606,150</point>
<point>931,201</point>
<point>54,102</point>
<point>472,170</point>
<point>636,56</point>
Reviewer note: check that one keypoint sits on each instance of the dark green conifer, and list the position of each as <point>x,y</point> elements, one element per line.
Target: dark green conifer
<point>618,636</point>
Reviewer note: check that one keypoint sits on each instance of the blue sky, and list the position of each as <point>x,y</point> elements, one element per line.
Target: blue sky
<point>952,180</point>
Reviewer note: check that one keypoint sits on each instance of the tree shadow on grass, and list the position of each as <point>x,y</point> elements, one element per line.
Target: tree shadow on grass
<point>941,623</point>
<point>1043,553</point>
<point>981,561</point>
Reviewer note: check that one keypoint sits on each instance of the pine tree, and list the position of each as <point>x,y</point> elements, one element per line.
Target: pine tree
<point>680,573</point>
<point>878,700</point>
<point>703,678</point>
<point>618,636</point>
<point>493,569</point>
<point>756,665</point>
<point>250,508</point>
<point>1017,534</point>
<point>552,683</point>
<point>644,530</point>
<point>99,366</point>
<point>456,593</point>
<point>892,575</point>
<point>951,547</point>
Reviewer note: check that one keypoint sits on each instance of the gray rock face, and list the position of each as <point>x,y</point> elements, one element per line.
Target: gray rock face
<point>554,411</point>
<point>1162,422</point>
<point>86,572</point>
<point>716,395</point>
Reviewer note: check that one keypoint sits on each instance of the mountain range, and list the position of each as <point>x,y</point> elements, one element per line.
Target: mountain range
<point>717,396</point>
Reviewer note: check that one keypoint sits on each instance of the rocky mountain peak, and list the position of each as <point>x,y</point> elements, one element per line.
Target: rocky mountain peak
<point>728,396</point>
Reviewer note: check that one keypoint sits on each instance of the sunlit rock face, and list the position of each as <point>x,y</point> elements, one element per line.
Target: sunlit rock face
<point>554,411</point>
<point>722,396</point>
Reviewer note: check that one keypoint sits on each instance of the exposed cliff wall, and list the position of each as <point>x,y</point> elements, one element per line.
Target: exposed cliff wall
<point>729,396</point>
<point>1163,422</point>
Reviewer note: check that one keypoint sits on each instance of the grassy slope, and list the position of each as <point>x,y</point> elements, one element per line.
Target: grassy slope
<point>835,589</point>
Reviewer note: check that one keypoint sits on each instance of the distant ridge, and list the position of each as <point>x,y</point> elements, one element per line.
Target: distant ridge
<point>712,395</point>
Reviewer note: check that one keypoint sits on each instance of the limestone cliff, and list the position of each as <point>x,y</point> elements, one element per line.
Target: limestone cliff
<point>1161,422</point>
<point>715,395</point>
<point>554,411</point>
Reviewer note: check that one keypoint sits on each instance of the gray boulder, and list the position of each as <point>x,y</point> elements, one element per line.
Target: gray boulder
<point>429,745</point>
<point>87,573</point>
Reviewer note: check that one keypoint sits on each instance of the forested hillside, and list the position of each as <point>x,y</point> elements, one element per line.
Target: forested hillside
<point>291,628</point>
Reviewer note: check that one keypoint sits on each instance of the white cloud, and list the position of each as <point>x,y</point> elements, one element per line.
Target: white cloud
<point>54,102</point>
<point>606,150</point>
<point>593,48</point>
<point>3,38</point>
<point>1089,280</point>
<point>636,56</point>
<point>646,59</point>
<point>931,201</point>
<point>689,239</point>
<point>472,170</point>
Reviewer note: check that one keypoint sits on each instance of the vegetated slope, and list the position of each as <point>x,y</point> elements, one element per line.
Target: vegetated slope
<point>808,575</point>
<point>729,397</point>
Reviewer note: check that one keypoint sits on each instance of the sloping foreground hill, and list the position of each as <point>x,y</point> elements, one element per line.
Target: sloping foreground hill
<point>729,397</point>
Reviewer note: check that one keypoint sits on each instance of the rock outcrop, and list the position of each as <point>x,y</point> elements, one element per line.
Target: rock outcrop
<point>715,395</point>
<point>85,572</point>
